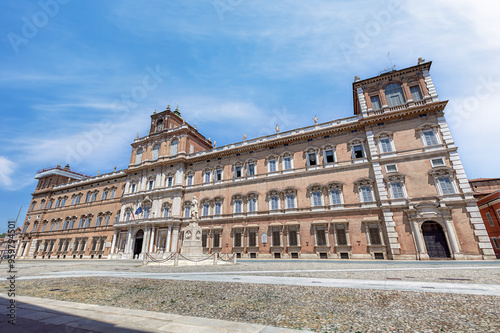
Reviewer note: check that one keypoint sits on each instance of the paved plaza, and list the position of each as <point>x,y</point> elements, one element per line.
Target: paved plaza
<point>258,296</point>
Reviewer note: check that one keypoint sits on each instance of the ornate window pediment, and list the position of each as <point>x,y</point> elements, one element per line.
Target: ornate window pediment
<point>442,171</point>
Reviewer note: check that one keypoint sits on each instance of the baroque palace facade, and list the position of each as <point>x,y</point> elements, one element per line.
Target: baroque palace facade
<point>386,183</point>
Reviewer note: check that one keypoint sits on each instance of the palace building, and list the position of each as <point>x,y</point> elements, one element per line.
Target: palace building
<point>386,183</point>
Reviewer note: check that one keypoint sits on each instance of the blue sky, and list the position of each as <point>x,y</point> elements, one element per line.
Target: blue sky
<point>76,84</point>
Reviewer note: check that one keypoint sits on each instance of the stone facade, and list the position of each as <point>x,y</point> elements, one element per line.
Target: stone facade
<point>386,183</point>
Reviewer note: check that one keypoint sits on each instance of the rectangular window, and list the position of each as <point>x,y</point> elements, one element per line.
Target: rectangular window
<point>80,223</point>
<point>72,201</point>
<point>237,239</point>
<point>320,237</point>
<point>385,145</point>
<point>112,194</point>
<point>63,202</point>
<point>329,156</point>
<point>51,228</point>
<point>98,221</point>
<point>218,175</point>
<point>106,222</point>
<point>292,238</point>
<point>430,138</point>
<point>366,194</point>
<point>150,186</point>
<point>204,240</point>
<point>375,102</point>
<point>436,162</point>
<point>93,197</point>
<point>170,181</point>
<point>87,223</point>
<point>252,205</point>
<point>49,205</point>
<point>274,203</point>
<point>251,170</point>
<point>490,220</point>
<point>311,159</point>
<point>237,171</point>
<point>127,216</point>
<point>187,211</point>
<point>58,202</point>
<point>341,236</point>
<point>391,168</point>
<point>252,238</point>
<point>146,211</point>
<point>316,197</point>
<point>218,208</point>
<point>216,239</point>
<point>416,95</point>
<point>237,206</point>
<point>357,151</point>
<point>189,180</point>
<point>290,201</point>
<point>272,165</point>
<point>495,242</point>
<point>206,209</point>
<point>446,185</point>
<point>87,198</point>
<point>207,177</point>
<point>57,225</point>
<point>65,225</point>
<point>43,227</point>
<point>335,195</point>
<point>276,238</point>
<point>166,211</point>
<point>287,163</point>
<point>132,188</point>
<point>374,236</point>
<point>156,150</point>
<point>104,195</point>
<point>78,198</point>
<point>397,190</point>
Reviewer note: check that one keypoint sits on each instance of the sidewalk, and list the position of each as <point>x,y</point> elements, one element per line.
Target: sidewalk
<point>41,315</point>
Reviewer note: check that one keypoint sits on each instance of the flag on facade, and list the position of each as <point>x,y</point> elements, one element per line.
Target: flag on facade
<point>139,210</point>
<point>132,211</point>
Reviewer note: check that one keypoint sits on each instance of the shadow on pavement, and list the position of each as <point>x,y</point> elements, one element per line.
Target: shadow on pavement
<point>32,318</point>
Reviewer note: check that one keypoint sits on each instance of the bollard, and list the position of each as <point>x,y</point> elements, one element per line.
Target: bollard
<point>145,259</point>
<point>176,259</point>
<point>215,258</point>
<point>234,258</point>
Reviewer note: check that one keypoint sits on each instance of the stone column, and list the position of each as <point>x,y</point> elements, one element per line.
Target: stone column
<point>169,234</point>
<point>152,239</point>
<point>113,243</point>
<point>175,238</point>
<point>453,239</point>
<point>145,241</point>
<point>129,241</point>
<point>417,235</point>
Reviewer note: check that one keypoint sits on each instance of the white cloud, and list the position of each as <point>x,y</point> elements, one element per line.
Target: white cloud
<point>6,170</point>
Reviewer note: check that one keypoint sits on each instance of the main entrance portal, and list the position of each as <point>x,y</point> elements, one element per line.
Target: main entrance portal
<point>435,240</point>
<point>139,237</point>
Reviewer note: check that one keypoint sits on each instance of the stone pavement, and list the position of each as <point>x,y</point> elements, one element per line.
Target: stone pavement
<point>41,315</point>
<point>246,277</point>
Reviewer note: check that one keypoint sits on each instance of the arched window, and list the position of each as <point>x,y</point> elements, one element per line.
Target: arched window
<point>156,150</point>
<point>173,147</point>
<point>394,94</point>
<point>138,156</point>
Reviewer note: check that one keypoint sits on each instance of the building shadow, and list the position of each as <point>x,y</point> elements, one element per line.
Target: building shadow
<point>32,318</point>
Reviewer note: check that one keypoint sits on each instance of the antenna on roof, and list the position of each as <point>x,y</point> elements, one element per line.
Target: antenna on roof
<point>388,69</point>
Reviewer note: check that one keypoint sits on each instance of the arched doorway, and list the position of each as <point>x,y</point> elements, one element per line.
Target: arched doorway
<point>139,237</point>
<point>435,240</point>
